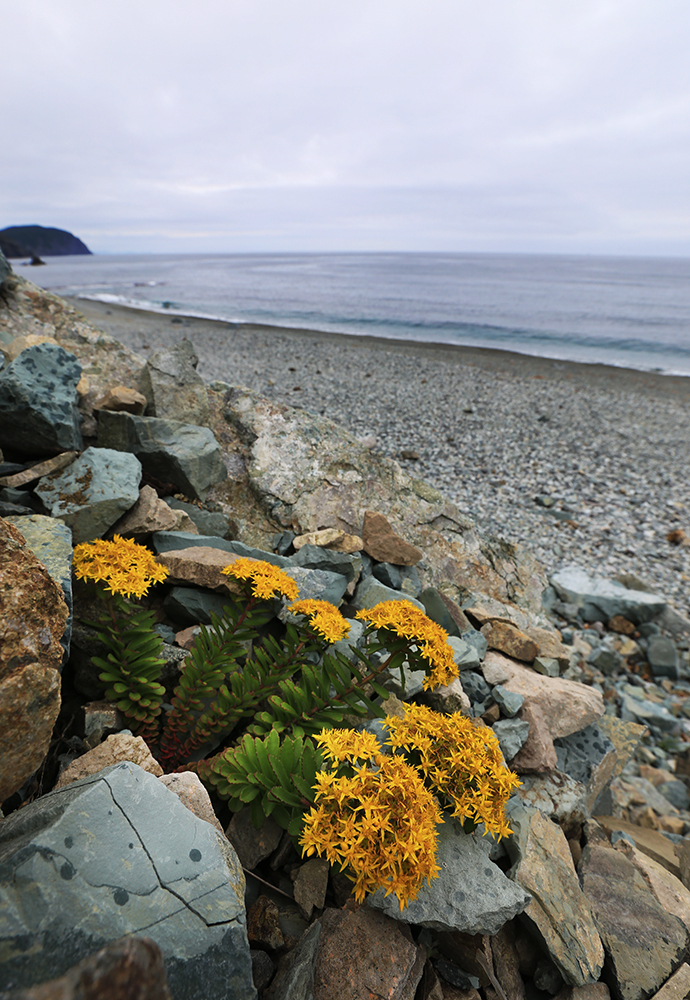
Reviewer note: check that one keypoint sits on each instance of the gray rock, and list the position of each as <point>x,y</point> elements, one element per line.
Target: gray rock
<point>557,795</point>
<point>589,757</point>
<point>474,638</point>
<point>169,450</point>
<point>118,854</point>
<point>439,612</point>
<point>413,682</point>
<point>315,557</point>
<point>5,269</point>
<point>662,656</point>
<point>93,492</point>
<point>509,702</point>
<point>193,605</point>
<point>252,845</point>
<point>471,894</point>
<point>476,689</point>
<point>170,541</point>
<point>173,388</point>
<point>371,591</point>
<point>599,599</point>
<point>295,977</point>
<point>207,521</point>
<point>677,794</point>
<point>511,734</point>
<point>352,640</point>
<point>38,402</point>
<point>546,665</point>
<point>51,542</point>
<point>464,653</point>
<point>647,713</point>
<point>389,575</point>
<point>318,584</point>
<point>608,661</point>
<point>410,582</point>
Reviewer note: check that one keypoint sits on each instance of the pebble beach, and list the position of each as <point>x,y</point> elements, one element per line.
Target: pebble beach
<point>584,464</point>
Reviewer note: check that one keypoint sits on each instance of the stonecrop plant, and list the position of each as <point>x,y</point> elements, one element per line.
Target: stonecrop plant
<point>277,699</point>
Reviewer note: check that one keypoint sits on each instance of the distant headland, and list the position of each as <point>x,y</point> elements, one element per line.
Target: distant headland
<point>35,241</point>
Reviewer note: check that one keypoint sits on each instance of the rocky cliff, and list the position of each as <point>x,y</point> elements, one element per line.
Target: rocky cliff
<point>30,241</point>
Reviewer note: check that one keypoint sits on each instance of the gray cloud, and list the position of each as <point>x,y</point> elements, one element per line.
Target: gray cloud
<point>371,124</point>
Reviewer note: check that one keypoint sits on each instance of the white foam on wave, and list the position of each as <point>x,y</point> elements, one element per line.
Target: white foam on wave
<point>155,307</point>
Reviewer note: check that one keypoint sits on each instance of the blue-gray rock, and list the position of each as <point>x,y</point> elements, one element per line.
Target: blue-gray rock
<point>599,599</point>
<point>367,564</point>
<point>193,605</point>
<point>117,854</point>
<point>38,402</point>
<point>282,542</point>
<point>476,689</point>
<point>476,639</point>
<point>471,894</point>
<point>648,629</point>
<point>207,521</point>
<point>412,682</point>
<point>608,661</point>
<point>318,584</point>
<point>51,542</point>
<point>371,592</point>
<point>173,388</point>
<point>170,541</point>
<point>509,702</point>
<point>352,640</point>
<point>546,665</point>
<point>172,452</point>
<point>295,977</point>
<point>677,794</point>
<point>438,610</point>
<point>464,653</point>
<point>511,734</point>
<point>649,713</point>
<point>411,584</point>
<point>315,557</point>
<point>93,492</point>
<point>662,656</point>
<point>389,575</point>
<point>588,756</point>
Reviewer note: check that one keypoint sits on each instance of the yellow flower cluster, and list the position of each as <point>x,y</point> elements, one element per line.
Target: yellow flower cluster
<point>407,621</point>
<point>267,580</point>
<point>124,566</point>
<point>378,823</point>
<point>461,760</point>
<point>323,617</point>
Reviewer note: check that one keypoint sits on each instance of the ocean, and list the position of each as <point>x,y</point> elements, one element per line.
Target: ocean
<point>625,311</point>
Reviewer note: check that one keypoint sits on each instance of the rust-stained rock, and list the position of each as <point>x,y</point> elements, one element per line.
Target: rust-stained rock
<point>19,344</point>
<point>201,565</point>
<point>54,464</point>
<point>148,514</point>
<point>122,397</point>
<point>33,616</point>
<point>510,640</point>
<point>382,543</point>
<point>118,747</point>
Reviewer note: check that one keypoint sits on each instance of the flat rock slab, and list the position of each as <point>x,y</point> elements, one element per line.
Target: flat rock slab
<point>38,402</point>
<point>202,565</point>
<point>589,757</point>
<point>643,943</point>
<point>93,492</point>
<point>172,452</point>
<point>471,894</point>
<point>114,855</point>
<point>558,907</point>
<point>600,599</point>
<point>510,640</point>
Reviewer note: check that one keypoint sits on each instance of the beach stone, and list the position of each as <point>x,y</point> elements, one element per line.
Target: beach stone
<point>294,979</point>
<point>511,735</point>
<point>38,402</point>
<point>34,616</point>
<point>464,653</point>
<point>169,450</point>
<point>537,752</point>
<point>117,748</point>
<point>662,656</point>
<point>108,856</point>
<point>314,557</point>
<point>509,702</point>
<point>599,599</point>
<point>173,387</point>
<point>477,690</point>
<point>310,882</point>
<point>253,845</point>
<point>543,866</point>
<point>589,757</point>
<point>93,492</point>
<point>495,671</point>
<point>643,943</point>
<point>206,522</point>
<point>550,644</point>
<point>445,612</point>
<point>370,592</point>
<point>51,542</point>
<point>121,397</point>
<point>325,538</point>
<point>605,659</point>
<point>365,954</point>
<point>148,514</point>
<point>201,565</point>
<point>471,894</point>
<point>194,606</point>
<point>621,625</point>
<point>383,544</point>
<point>677,794</point>
<point>129,969</point>
<point>509,640</point>
<point>566,705</point>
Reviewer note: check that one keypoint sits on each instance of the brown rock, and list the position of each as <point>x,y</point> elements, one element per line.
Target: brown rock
<point>115,749</point>
<point>129,969</point>
<point>100,716</point>
<point>252,845</point>
<point>192,794</point>
<point>625,737</point>
<point>677,987</point>
<point>643,943</point>
<point>668,890</point>
<point>507,962</point>
<point>53,464</point>
<point>33,615</point>
<point>122,399</point>
<point>348,545</point>
<point>201,565</point>
<point>185,638</point>
<point>567,706</point>
<point>384,545</point>
<point>326,538</point>
<point>592,991</point>
<point>310,882</point>
<point>682,851</point>
<point>652,843</point>
<point>263,924</point>
<point>621,625</point>
<point>549,643</point>
<point>148,514</point>
<point>538,753</point>
<point>19,344</point>
<point>510,640</point>
<point>365,954</point>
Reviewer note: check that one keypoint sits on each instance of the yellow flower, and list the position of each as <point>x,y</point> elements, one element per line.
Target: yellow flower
<point>124,566</point>
<point>347,744</point>
<point>379,824</point>
<point>461,760</point>
<point>323,618</point>
<point>267,580</point>
<point>407,621</point>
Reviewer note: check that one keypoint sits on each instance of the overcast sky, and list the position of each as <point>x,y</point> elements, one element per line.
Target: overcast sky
<point>277,125</point>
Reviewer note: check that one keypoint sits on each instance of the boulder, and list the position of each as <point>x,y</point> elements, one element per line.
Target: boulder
<point>172,386</point>
<point>38,402</point>
<point>34,615</point>
<point>193,605</point>
<point>19,344</point>
<point>318,584</point>
<point>314,557</point>
<point>93,492</point>
<point>192,794</point>
<point>599,600</point>
<point>169,450</point>
<point>112,855</point>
